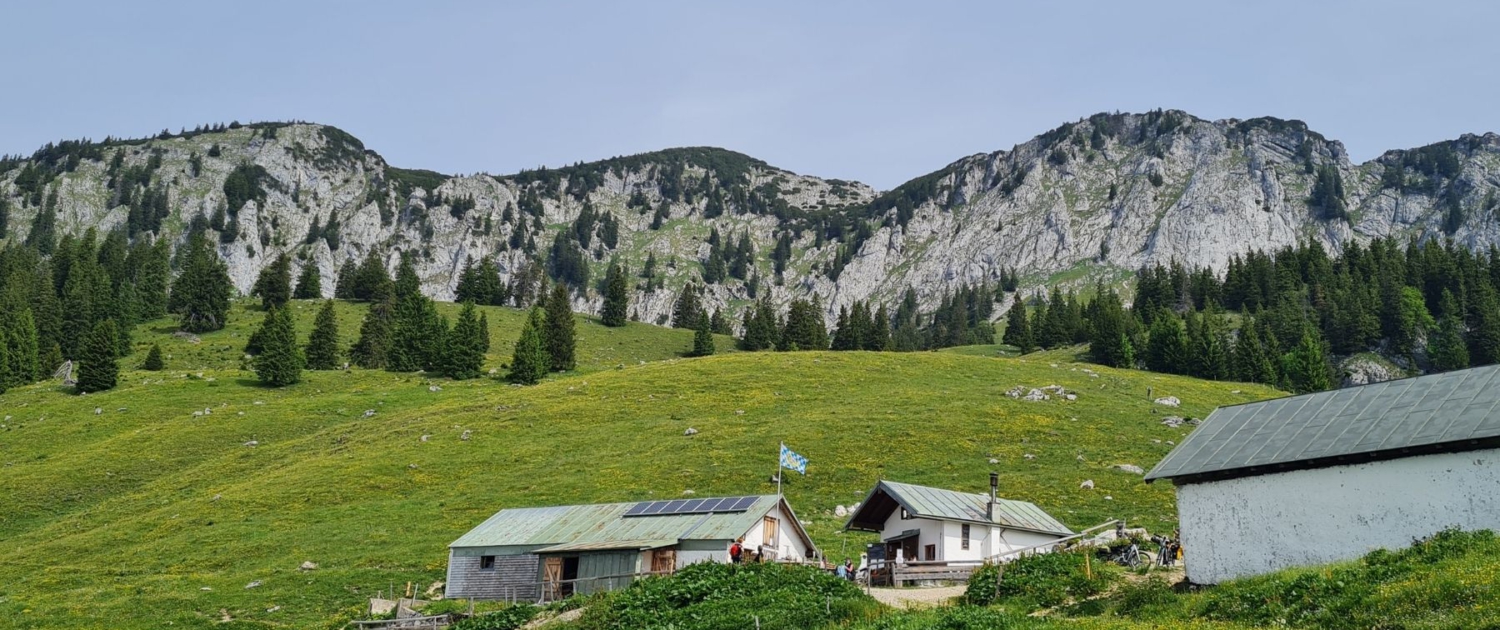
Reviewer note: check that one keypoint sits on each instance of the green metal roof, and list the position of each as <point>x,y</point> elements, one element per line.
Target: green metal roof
<point>633,545</point>
<point>1437,412</point>
<point>605,524</point>
<point>948,505</point>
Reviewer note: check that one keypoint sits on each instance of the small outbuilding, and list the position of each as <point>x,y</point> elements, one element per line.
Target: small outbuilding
<point>1333,475</point>
<point>548,553</point>
<point>922,524</point>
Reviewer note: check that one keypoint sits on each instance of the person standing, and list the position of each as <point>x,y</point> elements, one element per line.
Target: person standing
<point>737,550</point>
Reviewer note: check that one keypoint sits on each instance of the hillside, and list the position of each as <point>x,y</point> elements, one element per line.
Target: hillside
<point>1093,199</point>
<point>158,502</point>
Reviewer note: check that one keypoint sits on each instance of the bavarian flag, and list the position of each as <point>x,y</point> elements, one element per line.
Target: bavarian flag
<point>793,461</point>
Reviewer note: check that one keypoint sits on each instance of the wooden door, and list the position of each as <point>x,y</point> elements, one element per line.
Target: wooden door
<point>663,561</point>
<point>552,570</point>
<point>769,539</point>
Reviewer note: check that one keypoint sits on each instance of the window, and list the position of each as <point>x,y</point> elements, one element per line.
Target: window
<point>769,539</point>
<point>905,515</point>
<point>486,563</point>
<point>929,553</point>
<point>966,537</point>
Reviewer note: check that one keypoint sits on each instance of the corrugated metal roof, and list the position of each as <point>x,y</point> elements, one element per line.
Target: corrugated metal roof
<point>606,524</point>
<point>1320,428</point>
<point>636,545</point>
<point>949,505</point>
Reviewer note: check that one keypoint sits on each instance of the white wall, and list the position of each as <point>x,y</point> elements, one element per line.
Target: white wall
<point>789,545</point>
<point>948,536</point>
<point>1254,525</point>
<point>931,532</point>
<point>1003,540</point>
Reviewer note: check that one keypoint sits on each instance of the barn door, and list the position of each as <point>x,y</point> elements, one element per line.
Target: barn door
<point>552,569</point>
<point>663,561</point>
<point>769,535</point>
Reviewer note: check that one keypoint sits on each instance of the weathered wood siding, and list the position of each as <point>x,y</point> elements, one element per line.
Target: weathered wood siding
<point>514,577</point>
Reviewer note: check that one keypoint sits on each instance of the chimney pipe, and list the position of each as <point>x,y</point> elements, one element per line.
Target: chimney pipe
<point>989,509</point>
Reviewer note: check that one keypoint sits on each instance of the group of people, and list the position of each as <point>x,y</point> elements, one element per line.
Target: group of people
<point>739,555</point>
<point>846,570</point>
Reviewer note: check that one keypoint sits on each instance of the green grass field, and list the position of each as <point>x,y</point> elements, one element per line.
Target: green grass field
<point>157,511</point>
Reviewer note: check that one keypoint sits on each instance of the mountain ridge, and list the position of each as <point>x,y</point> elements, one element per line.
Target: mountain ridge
<point>1090,200</point>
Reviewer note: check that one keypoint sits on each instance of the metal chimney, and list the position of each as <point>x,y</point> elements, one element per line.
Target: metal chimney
<point>989,508</point>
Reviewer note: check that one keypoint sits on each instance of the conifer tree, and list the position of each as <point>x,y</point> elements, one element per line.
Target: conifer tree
<point>879,338</point>
<point>685,312</point>
<point>371,282</point>
<point>760,326</point>
<point>616,297</point>
<point>153,276</point>
<point>154,360</point>
<point>559,335</point>
<point>343,285</point>
<point>1484,336</point>
<point>530,362</point>
<point>464,355</point>
<point>18,333</point>
<point>200,296</point>
<point>97,369</point>
<point>1447,349</point>
<point>407,283</point>
<point>1306,366</point>
<point>805,329</point>
<point>417,334</point>
<point>280,361</point>
<point>309,283</point>
<point>1167,347</point>
<point>323,344</point>
<point>372,349</point>
<point>843,337</point>
<point>1108,342</point>
<point>703,337</point>
<point>1018,328</point>
<point>274,284</point>
<point>1251,363</point>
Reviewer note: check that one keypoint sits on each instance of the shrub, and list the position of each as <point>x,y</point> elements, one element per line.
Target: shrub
<point>1045,580</point>
<point>508,618</point>
<point>710,595</point>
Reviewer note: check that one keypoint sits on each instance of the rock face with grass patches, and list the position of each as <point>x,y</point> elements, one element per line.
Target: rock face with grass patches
<point>1092,199</point>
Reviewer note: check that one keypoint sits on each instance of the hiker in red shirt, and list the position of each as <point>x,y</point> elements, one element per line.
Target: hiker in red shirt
<point>737,550</point>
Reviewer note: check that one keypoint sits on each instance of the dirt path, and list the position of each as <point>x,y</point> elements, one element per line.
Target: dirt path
<point>916,597</point>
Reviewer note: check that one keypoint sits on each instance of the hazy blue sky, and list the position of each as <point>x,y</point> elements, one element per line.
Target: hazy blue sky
<point>878,92</point>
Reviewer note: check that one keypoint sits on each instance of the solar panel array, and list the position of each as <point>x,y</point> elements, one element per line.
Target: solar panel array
<point>691,506</point>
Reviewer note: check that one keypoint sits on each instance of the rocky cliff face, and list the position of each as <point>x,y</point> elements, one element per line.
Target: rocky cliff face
<point>1088,201</point>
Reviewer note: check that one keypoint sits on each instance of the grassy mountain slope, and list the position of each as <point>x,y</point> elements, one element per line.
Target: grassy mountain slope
<point>146,514</point>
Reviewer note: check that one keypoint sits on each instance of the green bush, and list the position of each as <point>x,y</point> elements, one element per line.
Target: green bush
<point>709,595</point>
<point>508,618</point>
<point>1044,580</point>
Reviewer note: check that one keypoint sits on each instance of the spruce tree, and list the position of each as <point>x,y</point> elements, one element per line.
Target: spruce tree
<point>200,296</point>
<point>153,276</point>
<point>1018,328</point>
<point>154,360</point>
<point>97,369</point>
<point>280,361</point>
<point>703,337</point>
<point>370,351</point>
<point>559,334</point>
<point>323,344</point>
<point>1108,342</point>
<point>1306,366</point>
<point>1484,336</point>
<point>1251,363</point>
<point>343,284</point>
<point>464,354</point>
<point>371,282</point>
<point>760,326</point>
<point>1447,349</point>
<point>879,338</point>
<point>685,312</point>
<point>309,283</point>
<point>18,333</point>
<point>484,336</point>
<point>530,362</point>
<point>417,335</point>
<point>1167,347</point>
<point>616,297</point>
<point>274,284</point>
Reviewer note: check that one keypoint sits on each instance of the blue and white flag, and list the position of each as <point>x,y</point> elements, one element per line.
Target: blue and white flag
<point>793,461</point>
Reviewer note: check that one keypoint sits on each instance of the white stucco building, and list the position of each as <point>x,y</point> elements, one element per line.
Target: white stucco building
<point>1333,475</point>
<point>934,525</point>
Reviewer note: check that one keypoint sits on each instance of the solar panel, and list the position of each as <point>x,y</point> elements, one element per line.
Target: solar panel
<point>691,506</point>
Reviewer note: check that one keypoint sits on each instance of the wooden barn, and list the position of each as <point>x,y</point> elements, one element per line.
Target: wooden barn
<point>547,553</point>
<point>1333,475</point>
<point>951,529</point>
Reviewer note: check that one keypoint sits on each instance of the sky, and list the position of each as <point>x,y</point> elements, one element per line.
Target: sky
<point>878,92</point>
